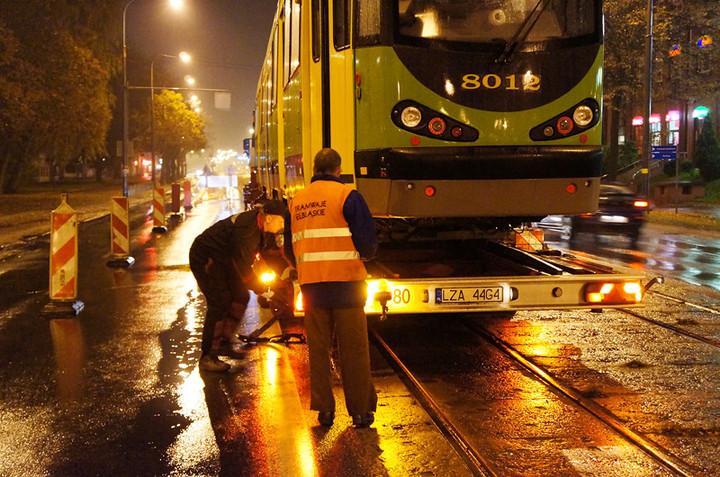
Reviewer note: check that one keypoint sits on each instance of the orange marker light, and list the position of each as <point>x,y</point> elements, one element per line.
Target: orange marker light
<point>430,191</point>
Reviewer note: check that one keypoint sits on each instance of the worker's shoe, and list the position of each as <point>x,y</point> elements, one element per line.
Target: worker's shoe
<point>213,364</point>
<point>363,420</point>
<point>326,418</point>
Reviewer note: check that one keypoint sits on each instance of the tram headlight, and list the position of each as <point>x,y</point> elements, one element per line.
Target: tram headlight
<point>411,116</point>
<point>583,116</point>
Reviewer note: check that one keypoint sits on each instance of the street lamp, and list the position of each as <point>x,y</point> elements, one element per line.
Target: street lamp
<point>185,58</point>
<point>176,4</point>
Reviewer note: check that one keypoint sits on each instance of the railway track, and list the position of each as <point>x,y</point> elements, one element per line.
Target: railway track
<point>473,457</point>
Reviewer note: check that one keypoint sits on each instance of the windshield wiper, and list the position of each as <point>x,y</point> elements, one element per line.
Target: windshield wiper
<point>522,32</point>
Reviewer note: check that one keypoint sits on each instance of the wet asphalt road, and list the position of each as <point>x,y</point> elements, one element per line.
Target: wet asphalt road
<point>116,391</point>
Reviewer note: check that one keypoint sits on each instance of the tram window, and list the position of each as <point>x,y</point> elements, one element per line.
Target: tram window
<point>286,42</point>
<point>472,21</point>
<point>316,32</point>
<point>341,24</point>
<point>368,19</point>
<point>295,37</point>
<point>273,76</point>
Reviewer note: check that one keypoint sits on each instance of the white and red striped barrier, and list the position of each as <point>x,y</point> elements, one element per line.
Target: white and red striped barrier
<point>63,262</point>
<point>187,195</point>
<point>159,210</point>
<point>120,233</point>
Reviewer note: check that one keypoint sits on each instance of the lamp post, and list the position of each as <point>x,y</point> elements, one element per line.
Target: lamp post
<point>126,120</point>
<point>185,58</point>
<point>647,95</point>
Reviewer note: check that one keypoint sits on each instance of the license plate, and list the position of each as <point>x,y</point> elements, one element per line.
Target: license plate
<point>469,295</point>
<point>614,219</point>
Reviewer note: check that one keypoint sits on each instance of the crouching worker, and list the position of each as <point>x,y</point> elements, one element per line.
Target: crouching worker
<point>221,260</point>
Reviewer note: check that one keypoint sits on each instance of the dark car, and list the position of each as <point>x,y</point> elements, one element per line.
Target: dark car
<point>620,212</point>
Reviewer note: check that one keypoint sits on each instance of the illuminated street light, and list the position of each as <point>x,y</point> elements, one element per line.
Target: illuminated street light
<point>190,80</point>
<point>176,4</point>
<point>184,57</point>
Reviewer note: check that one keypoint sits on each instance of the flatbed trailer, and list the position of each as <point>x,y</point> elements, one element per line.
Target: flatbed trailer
<point>486,275</point>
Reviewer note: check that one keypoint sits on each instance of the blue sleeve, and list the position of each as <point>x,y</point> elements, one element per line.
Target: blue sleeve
<point>287,240</point>
<point>362,225</point>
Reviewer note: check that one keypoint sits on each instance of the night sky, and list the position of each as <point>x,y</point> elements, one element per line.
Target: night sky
<point>232,35</point>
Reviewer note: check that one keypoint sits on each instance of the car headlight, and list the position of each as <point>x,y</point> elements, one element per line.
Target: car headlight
<point>411,116</point>
<point>583,116</point>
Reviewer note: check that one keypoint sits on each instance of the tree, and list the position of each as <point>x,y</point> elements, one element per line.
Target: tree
<point>178,130</point>
<point>707,151</point>
<point>56,64</point>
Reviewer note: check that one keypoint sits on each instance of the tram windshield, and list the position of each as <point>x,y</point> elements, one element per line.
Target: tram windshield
<point>491,21</point>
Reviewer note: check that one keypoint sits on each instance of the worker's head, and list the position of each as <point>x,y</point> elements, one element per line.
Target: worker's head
<point>327,161</point>
<point>272,215</point>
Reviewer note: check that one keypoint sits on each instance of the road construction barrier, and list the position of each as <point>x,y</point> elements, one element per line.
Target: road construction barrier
<point>175,198</point>
<point>63,262</point>
<point>187,195</point>
<point>159,210</point>
<point>530,240</point>
<point>120,233</point>
<point>175,215</point>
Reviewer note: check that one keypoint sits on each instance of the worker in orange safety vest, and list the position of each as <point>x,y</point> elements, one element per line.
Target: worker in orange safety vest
<point>331,232</point>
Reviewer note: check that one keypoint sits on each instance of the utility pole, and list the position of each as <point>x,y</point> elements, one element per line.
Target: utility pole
<point>646,149</point>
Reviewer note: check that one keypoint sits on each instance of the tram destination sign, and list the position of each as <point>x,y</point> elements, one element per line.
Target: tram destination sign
<point>663,152</point>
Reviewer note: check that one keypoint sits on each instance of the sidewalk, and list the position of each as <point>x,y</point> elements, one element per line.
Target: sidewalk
<point>26,215</point>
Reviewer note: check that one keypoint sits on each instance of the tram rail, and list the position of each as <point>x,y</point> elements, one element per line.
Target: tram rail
<point>474,459</point>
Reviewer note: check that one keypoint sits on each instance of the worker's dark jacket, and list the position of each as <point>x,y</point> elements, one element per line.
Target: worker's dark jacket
<point>231,242</point>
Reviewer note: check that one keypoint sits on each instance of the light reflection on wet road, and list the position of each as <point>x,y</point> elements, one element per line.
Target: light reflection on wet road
<point>691,257</point>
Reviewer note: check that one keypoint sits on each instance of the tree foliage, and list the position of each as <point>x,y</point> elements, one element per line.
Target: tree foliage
<point>676,23</point>
<point>707,151</point>
<point>178,130</point>
<point>56,61</point>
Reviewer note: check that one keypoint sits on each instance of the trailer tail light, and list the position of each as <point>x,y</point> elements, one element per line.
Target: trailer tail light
<point>430,191</point>
<point>614,293</point>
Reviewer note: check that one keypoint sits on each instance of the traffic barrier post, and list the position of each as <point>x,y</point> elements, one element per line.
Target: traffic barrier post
<point>175,215</point>
<point>120,233</point>
<point>187,196</point>
<point>63,263</point>
<point>159,210</point>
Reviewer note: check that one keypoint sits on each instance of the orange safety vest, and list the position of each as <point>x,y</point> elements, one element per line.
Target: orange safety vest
<point>321,239</point>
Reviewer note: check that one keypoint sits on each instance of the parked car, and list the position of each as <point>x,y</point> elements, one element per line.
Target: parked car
<point>620,212</point>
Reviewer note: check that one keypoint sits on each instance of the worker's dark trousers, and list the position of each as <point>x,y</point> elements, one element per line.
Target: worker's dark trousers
<point>350,325</point>
<point>220,286</point>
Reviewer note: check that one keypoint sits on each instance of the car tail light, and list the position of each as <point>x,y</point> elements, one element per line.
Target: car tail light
<point>641,204</point>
